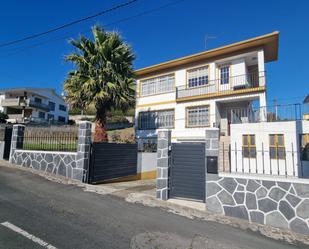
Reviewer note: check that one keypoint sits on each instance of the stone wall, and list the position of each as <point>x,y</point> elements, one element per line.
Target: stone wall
<point>73,165</point>
<point>279,204</point>
<point>51,162</point>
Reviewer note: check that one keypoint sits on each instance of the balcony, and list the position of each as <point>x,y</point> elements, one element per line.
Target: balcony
<point>37,105</point>
<point>21,102</point>
<point>232,85</point>
<point>11,102</point>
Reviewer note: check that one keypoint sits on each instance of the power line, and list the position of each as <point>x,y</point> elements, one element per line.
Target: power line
<point>30,37</point>
<point>54,39</point>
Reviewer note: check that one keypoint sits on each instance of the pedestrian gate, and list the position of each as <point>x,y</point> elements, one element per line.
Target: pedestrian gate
<point>111,161</point>
<point>6,136</point>
<point>187,179</point>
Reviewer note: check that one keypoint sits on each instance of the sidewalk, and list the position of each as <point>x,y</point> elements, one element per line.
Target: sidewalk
<point>143,192</point>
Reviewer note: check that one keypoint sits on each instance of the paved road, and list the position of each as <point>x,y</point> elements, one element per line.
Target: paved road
<point>67,217</point>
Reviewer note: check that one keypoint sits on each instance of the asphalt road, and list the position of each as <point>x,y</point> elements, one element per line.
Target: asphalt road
<point>65,216</point>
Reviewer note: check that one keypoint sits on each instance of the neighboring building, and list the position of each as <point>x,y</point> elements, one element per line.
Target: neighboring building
<point>205,90</point>
<point>39,105</point>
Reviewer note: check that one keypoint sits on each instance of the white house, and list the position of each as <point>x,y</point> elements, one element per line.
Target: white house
<point>200,91</point>
<point>28,104</point>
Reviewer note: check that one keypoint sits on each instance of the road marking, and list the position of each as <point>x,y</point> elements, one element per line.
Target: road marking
<point>27,235</point>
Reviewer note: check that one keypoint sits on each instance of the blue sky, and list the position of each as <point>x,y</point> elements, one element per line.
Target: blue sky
<point>166,34</point>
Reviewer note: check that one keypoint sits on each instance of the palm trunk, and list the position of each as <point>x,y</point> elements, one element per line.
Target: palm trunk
<point>100,134</point>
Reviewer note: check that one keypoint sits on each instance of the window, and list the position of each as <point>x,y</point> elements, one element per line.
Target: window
<point>248,146</point>
<point>61,119</point>
<point>50,117</point>
<point>225,74</point>
<point>156,119</point>
<point>42,115</point>
<point>38,100</point>
<point>198,116</point>
<point>304,147</point>
<point>276,146</point>
<point>62,108</point>
<point>157,85</point>
<point>51,105</point>
<point>198,76</point>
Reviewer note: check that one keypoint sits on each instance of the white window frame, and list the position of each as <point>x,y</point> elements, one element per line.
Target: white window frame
<point>227,74</point>
<point>197,74</point>
<point>157,85</point>
<point>196,113</point>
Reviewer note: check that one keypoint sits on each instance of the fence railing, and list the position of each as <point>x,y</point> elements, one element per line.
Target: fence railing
<point>272,113</point>
<point>61,138</point>
<point>233,83</point>
<point>288,161</point>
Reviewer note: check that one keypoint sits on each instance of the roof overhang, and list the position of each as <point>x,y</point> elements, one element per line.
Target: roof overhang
<point>268,42</point>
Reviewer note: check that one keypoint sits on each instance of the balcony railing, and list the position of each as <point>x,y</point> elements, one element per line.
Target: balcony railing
<point>275,113</point>
<point>37,105</point>
<point>11,102</point>
<point>246,81</point>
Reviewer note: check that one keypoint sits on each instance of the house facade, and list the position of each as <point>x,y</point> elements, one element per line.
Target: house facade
<point>38,105</point>
<point>203,91</point>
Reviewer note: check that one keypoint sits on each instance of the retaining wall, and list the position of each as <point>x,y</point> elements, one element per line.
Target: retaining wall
<point>73,165</point>
<point>58,163</point>
<point>276,203</point>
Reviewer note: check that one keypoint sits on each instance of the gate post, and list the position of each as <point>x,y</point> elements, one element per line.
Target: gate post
<point>83,152</point>
<point>211,152</point>
<point>163,163</point>
<point>17,140</point>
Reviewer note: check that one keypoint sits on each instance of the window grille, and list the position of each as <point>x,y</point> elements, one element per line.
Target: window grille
<point>157,85</point>
<point>156,119</point>
<point>198,116</point>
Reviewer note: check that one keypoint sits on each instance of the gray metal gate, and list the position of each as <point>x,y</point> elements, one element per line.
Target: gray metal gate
<point>5,141</point>
<point>111,161</point>
<point>187,179</point>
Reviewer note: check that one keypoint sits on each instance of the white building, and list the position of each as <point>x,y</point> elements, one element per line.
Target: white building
<point>42,105</point>
<point>201,91</point>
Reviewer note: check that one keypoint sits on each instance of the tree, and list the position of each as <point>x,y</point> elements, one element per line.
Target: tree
<point>3,117</point>
<point>103,76</point>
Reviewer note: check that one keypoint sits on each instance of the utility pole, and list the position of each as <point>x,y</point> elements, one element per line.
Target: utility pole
<point>208,37</point>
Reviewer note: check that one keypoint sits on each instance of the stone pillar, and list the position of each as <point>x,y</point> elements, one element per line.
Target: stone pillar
<point>163,164</point>
<point>211,145</point>
<point>17,140</point>
<point>83,152</point>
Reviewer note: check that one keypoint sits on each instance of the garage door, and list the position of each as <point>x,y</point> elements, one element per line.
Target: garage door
<point>188,171</point>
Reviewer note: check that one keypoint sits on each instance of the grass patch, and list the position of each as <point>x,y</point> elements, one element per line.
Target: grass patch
<point>50,147</point>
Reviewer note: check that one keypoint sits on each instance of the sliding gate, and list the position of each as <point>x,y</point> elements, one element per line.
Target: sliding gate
<point>110,161</point>
<point>187,179</point>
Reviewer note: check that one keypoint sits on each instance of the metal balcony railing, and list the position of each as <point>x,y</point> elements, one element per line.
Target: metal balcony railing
<point>14,102</point>
<point>274,113</point>
<point>33,104</point>
<point>251,80</point>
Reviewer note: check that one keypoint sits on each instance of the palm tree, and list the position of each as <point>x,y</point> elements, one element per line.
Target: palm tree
<point>103,76</point>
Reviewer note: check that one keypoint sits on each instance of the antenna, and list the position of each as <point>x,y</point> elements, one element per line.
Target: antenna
<point>208,37</point>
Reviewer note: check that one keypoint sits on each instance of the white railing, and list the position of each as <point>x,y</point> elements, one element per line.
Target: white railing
<point>272,113</point>
<point>234,83</point>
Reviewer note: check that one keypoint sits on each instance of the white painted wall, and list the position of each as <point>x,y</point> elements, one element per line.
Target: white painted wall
<point>262,164</point>
<point>168,100</point>
<point>146,162</point>
<point>46,95</point>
